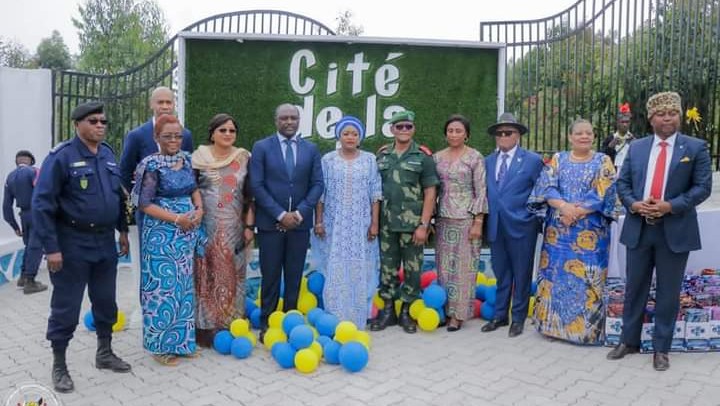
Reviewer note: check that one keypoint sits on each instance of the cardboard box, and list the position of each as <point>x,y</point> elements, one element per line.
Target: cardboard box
<point>613,329</point>
<point>697,336</point>
<point>646,337</point>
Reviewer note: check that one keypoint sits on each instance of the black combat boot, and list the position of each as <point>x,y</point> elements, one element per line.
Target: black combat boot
<point>406,322</point>
<point>106,359</point>
<point>60,375</point>
<point>386,317</point>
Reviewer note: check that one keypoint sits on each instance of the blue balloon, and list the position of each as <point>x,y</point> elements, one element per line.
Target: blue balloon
<point>353,356</point>
<point>292,320</point>
<point>441,313</point>
<point>284,354</point>
<point>314,314</point>
<point>255,318</point>
<point>326,325</point>
<point>480,291</point>
<point>323,340</point>
<point>223,342</point>
<point>89,321</point>
<point>434,296</point>
<point>241,347</point>
<point>331,352</point>
<point>487,311</point>
<point>316,283</point>
<point>533,288</point>
<point>249,306</point>
<point>301,337</point>
<point>491,294</point>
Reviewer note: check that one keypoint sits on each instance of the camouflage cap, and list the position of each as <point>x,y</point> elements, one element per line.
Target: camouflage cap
<point>662,102</point>
<point>405,115</point>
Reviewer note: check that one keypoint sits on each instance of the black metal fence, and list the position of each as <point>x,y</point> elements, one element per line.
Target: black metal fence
<point>597,54</point>
<point>126,95</point>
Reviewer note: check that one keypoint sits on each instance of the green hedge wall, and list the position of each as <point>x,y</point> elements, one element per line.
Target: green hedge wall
<point>249,79</point>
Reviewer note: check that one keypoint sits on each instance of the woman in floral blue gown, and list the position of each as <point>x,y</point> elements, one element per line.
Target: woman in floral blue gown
<point>165,190</point>
<point>576,195</point>
<point>346,225</point>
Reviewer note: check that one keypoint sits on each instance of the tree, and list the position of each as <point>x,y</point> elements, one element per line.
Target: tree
<point>346,25</point>
<point>14,55</point>
<point>52,53</point>
<point>116,35</point>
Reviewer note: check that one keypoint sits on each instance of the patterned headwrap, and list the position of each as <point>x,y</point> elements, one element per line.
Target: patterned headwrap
<point>663,101</point>
<point>349,120</point>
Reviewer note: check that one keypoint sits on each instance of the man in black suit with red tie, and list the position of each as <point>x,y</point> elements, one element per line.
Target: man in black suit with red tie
<point>664,177</point>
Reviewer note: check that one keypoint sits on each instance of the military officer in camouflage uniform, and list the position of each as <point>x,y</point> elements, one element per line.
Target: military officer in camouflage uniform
<point>409,181</point>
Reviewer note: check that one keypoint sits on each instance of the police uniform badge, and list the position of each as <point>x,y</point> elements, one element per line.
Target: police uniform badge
<point>83,183</point>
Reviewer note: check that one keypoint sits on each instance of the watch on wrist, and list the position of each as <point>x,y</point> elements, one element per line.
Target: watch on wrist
<point>425,224</point>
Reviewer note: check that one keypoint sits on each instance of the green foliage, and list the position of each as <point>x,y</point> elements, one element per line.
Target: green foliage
<point>248,80</point>
<point>14,55</point>
<point>346,25</point>
<point>116,35</point>
<point>52,53</point>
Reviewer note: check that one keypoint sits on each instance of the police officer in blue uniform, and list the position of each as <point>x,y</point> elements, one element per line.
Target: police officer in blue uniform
<point>19,189</point>
<point>77,205</point>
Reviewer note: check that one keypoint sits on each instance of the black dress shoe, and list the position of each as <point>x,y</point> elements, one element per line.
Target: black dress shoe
<point>661,362</point>
<point>261,336</point>
<point>515,329</point>
<point>493,325</point>
<point>621,350</point>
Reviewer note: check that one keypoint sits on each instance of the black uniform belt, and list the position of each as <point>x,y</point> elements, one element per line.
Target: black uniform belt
<point>87,227</point>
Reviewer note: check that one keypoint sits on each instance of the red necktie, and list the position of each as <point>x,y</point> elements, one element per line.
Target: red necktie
<point>659,175</point>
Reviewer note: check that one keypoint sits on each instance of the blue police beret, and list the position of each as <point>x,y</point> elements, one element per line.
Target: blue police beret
<point>85,109</point>
<point>405,115</point>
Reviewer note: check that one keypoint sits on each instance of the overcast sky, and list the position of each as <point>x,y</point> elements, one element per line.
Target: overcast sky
<point>28,21</point>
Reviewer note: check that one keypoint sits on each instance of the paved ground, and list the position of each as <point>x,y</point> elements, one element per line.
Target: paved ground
<point>440,368</point>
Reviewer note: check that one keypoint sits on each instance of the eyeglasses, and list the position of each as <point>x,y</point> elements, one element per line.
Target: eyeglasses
<point>227,130</point>
<point>506,133</point>
<point>94,121</point>
<point>407,127</point>
<point>170,137</point>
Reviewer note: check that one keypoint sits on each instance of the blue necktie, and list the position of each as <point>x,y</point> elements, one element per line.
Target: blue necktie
<point>289,158</point>
<point>503,169</point>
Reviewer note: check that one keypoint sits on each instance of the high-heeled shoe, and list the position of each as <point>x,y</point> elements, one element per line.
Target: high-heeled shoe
<point>454,325</point>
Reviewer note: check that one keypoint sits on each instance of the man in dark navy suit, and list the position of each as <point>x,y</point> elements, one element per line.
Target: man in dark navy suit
<point>511,229</point>
<point>19,187</point>
<point>286,181</point>
<point>664,177</point>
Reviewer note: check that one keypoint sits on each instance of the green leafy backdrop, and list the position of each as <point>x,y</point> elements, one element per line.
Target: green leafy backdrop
<point>249,79</point>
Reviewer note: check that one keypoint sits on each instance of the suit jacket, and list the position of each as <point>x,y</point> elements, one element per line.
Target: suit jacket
<point>509,200</point>
<point>139,143</point>
<point>689,183</point>
<point>275,192</point>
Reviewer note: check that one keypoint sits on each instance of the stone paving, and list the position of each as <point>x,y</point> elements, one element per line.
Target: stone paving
<point>440,368</point>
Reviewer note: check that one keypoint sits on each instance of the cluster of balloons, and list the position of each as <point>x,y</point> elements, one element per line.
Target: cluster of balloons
<point>238,341</point>
<point>310,297</point>
<point>302,341</point>
<point>427,311</point>
<point>89,321</point>
<point>486,294</point>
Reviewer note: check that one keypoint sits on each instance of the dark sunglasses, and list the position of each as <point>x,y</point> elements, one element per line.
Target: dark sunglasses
<point>404,126</point>
<point>506,133</point>
<point>94,121</point>
<point>227,130</point>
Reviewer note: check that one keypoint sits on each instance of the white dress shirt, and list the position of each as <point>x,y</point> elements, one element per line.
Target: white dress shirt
<point>510,155</point>
<point>654,152</point>
<point>283,147</point>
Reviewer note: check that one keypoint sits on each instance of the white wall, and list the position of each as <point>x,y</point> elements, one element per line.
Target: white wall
<point>25,123</point>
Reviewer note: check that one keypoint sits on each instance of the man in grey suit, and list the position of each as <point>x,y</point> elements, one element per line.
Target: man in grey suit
<point>664,177</point>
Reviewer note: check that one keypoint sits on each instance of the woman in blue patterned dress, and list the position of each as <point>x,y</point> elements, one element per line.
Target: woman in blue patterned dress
<point>165,190</point>
<point>346,225</point>
<point>576,195</point>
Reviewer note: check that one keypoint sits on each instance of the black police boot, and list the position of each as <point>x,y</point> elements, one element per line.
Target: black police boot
<point>406,322</point>
<point>32,286</point>
<point>60,375</point>
<point>386,317</point>
<point>106,359</point>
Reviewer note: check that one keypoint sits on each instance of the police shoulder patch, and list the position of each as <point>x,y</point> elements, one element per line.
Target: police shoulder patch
<point>384,149</point>
<point>60,146</point>
<point>425,150</point>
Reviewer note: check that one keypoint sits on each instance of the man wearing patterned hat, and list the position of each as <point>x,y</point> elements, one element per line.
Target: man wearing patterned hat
<point>616,145</point>
<point>664,177</point>
<point>408,182</point>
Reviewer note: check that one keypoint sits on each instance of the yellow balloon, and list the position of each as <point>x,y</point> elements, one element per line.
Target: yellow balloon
<point>345,331</point>
<point>281,303</point>
<point>491,282</point>
<point>363,337</point>
<point>398,305</point>
<point>276,318</point>
<point>480,279</point>
<point>239,327</point>
<point>306,302</point>
<point>257,302</point>
<point>317,349</point>
<point>531,306</point>
<point>250,336</point>
<point>416,307</point>
<point>306,360</point>
<point>273,336</point>
<point>378,301</point>
<point>429,319</point>
<point>120,323</point>
<point>303,285</point>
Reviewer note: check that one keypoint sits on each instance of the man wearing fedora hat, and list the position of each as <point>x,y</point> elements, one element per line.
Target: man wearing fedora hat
<point>511,229</point>
<point>664,177</point>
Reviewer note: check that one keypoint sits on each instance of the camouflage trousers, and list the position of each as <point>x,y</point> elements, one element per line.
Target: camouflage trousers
<point>397,248</point>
